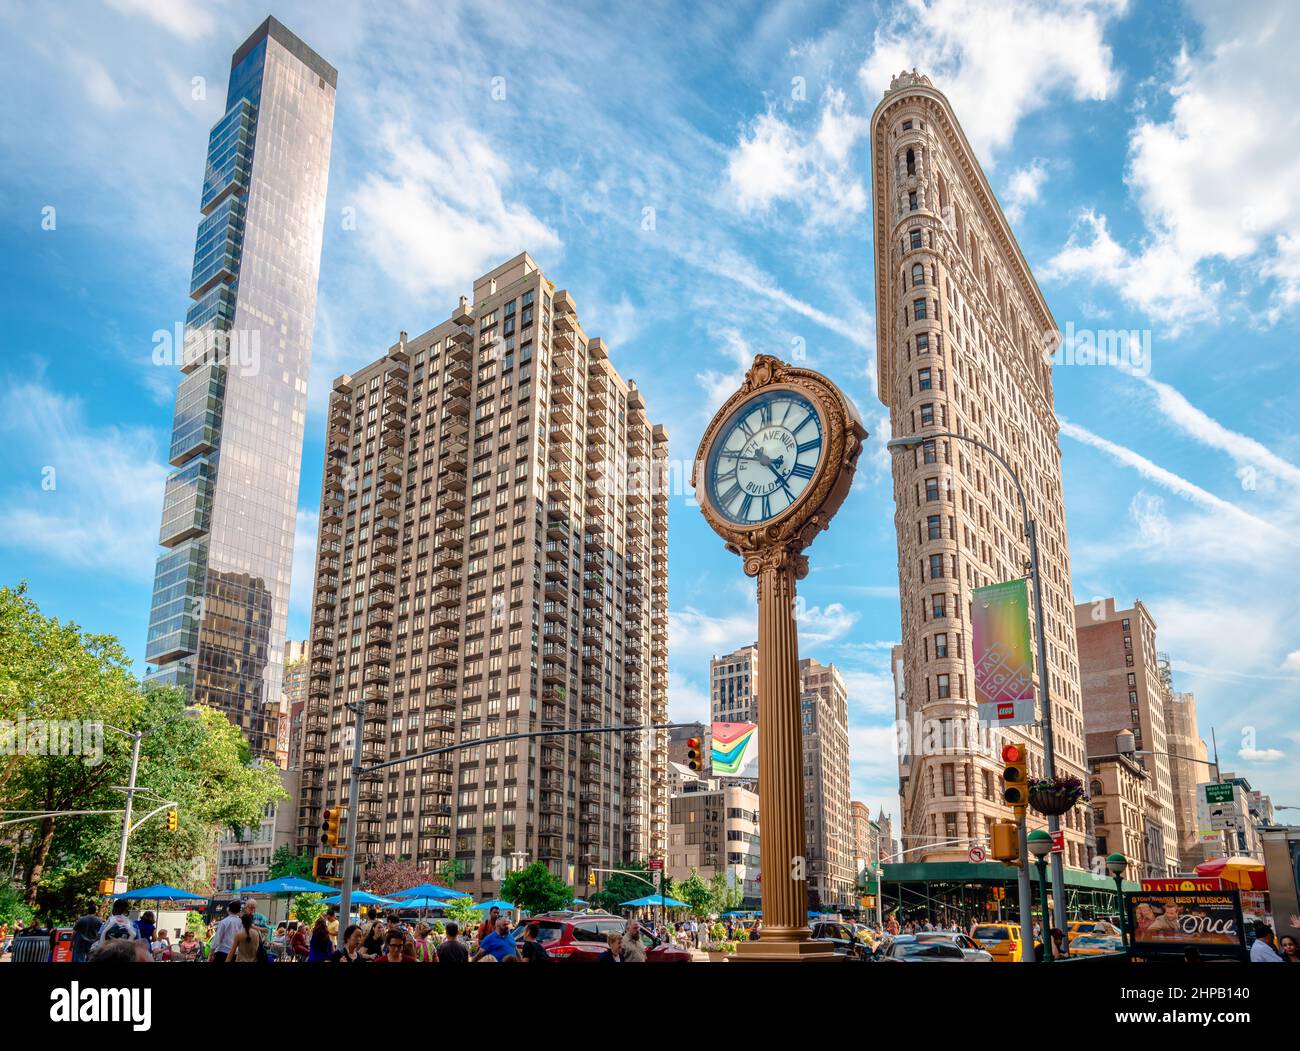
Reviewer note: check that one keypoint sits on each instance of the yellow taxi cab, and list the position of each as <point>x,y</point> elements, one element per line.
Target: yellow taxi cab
<point>1088,944</point>
<point>1075,928</point>
<point>1000,940</point>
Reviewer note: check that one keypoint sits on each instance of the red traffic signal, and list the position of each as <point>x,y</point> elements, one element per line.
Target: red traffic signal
<point>1013,753</point>
<point>1015,775</point>
<point>694,753</point>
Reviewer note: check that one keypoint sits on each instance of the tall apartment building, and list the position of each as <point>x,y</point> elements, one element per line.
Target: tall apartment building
<point>828,824</point>
<point>865,844</point>
<point>713,830</point>
<point>221,589</point>
<point>1119,789</point>
<point>293,695</point>
<point>1184,739</point>
<point>492,559</point>
<point>1125,683</point>
<point>733,686</point>
<point>960,325</point>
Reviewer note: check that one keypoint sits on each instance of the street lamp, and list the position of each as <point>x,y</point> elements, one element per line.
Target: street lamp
<point>1115,865</point>
<point>189,712</point>
<point>1040,845</point>
<point>1031,535</point>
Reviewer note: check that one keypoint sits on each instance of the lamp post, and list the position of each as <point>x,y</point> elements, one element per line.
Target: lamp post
<point>1031,535</point>
<point>1040,845</point>
<point>1115,865</point>
<point>119,873</point>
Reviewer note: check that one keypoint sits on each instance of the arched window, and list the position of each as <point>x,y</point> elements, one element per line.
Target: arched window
<point>918,274</point>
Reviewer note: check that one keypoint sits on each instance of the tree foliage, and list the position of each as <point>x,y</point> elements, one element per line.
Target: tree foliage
<point>535,889</point>
<point>284,862</point>
<point>619,888</point>
<point>391,875</point>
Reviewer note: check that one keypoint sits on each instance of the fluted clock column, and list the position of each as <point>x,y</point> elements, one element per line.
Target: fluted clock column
<point>780,749</point>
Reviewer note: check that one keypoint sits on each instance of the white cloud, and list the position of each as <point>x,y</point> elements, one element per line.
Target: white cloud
<point>997,60</point>
<point>773,161</point>
<point>1292,661</point>
<point>719,385</point>
<point>183,18</point>
<point>820,625</point>
<point>1023,189</point>
<point>695,636</point>
<point>1214,181</point>
<point>434,211</point>
<point>687,702</point>
<point>1258,755</point>
<point>102,512</point>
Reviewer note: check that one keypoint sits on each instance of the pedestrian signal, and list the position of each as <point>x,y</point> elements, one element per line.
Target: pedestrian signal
<point>1015,776</point>
<point>1005,842</point>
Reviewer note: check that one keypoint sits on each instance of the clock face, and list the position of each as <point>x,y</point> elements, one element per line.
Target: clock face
<point>764,457</point>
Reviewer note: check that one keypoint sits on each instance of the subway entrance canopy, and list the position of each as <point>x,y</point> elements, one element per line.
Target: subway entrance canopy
<point>965,892</point>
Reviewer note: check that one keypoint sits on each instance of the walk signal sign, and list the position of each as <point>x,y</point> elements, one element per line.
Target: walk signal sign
<point>328,867</point>
<point>1015,775</point>
<point>694,753</point>
<point>173,820</point>
<point>331,821</point>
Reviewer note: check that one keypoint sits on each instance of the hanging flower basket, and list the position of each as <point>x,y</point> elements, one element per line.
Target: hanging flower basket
<point>1054,795</point>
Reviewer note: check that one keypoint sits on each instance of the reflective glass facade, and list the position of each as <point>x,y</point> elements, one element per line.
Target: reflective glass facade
<point>221,592</point>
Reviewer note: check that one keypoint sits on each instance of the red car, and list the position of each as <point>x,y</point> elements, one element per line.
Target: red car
<point>581,936</point>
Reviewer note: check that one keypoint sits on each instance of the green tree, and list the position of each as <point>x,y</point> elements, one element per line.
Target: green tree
<point>450,871</point>
<point>463,912</point>
<point>284,862</point>
<point>308,908</point>
<point>535,889</point>
<point>697,894</point>
<point>724,896</point>
<point>620,888</point>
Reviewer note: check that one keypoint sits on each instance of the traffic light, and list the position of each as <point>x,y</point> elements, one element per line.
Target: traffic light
<point>1005,842</point>
<point>1015,776</point>
<point>329,826</point>
<point>694,754</point>
<point>591,879</point>
<point>173,820</point>
<point>107,886</point>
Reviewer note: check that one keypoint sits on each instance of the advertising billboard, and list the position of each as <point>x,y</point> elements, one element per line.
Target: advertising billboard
<point>1004,656</point>
<point>1162,921</point>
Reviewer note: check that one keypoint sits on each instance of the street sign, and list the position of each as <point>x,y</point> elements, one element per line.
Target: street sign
<point>1058,841</point>
<point>1216,793</point>
<point>976,854</point>
<point>655,863</point>
<point>656,876</point>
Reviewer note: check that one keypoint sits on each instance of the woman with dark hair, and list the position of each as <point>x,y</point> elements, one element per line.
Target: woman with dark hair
<point>374,944</point>
<point>320,949</point>
<point>248,940</point>
<point>351,951</point>
<point>1290,949</point>
<point>147,926</point>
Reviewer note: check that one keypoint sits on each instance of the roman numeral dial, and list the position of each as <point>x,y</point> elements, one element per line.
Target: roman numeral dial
<point>764,457</point>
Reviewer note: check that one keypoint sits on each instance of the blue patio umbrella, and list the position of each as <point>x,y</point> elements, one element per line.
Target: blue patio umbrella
<point>495,903</point>
<point>422,902</point>
<point>284,885</point>
<point>580,901</point>
<point>158,892</point>
<point>654,899</point>
<point>359,897</point>
<point>429,890</point>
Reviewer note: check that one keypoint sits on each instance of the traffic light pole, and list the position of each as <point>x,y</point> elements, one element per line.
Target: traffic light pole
<point>1024,887</point>
<point>350,825</point>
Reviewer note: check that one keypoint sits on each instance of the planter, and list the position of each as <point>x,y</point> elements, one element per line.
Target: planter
<point>716,957</point>
<point>1052,801</point>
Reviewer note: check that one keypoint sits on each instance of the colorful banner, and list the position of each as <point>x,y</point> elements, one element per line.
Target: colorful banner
<point>1004,655</point>
<point>1183,883</point>
<point>735,749</point>
<point>1170,921</point>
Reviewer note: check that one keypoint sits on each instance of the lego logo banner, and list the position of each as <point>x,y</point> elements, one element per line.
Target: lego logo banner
<point>1004,656</point>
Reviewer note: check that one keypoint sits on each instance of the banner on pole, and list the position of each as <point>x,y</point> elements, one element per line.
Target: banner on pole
<point>1004,655</point>
<point>734,750</point>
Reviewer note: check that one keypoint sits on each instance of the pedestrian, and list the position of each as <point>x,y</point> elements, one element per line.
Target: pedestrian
<point>533,950</point>
<point>118,925</point>
<point>613,954</point>
<point>188,948</point>
<point>298,947</point>
<point>633,947</point>
<point>332,923</point>
<point>147,926</point>
<point>248,941</point>
<point>321,946</point>
<point>395,944</point>
<point>120,950</point>
<point>374,942</point>
<point>490,924</point>
<point>453,948</point>
<point>85,932</point>
<point>499,944</point>
<point>1264,949</point>
<point>426,949</point>
<point>223,938</point>
<point>1290,948</point>
<point>351,951</point>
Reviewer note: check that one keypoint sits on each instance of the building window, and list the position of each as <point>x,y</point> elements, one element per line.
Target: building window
<point>936,567</point>
<point>911,162</point>
<point>941,644</point>
<point>931,490</point>
<point>912,204</point>
<point>918,309</point>
<point>949,779</point>
<point>915,238</point>
<point>933,526</point>
<point>944,686</point>
<point>927,414</point>
<point>923,380</point>
<point>918,273</point>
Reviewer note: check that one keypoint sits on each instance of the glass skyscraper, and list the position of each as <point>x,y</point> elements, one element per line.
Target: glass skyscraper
<point>221,590</point>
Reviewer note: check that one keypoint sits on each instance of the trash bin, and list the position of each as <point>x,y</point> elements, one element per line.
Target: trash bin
<point>31,948</point>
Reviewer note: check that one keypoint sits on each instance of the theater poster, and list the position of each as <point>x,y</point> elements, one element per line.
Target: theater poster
<point>1172,921</point>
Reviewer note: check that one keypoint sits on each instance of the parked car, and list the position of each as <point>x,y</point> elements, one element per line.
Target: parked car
<point>1000,939</point>
<point>909,948</point>
<point>582,937</point>
<point>971,949</point>
<point>844,936</point>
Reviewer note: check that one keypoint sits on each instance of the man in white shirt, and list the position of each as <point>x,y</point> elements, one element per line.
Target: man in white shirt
<point>223,939</point>
<point>1264,950</point>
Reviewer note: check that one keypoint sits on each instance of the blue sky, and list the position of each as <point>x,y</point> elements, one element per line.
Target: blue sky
<point>1148,157</point>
